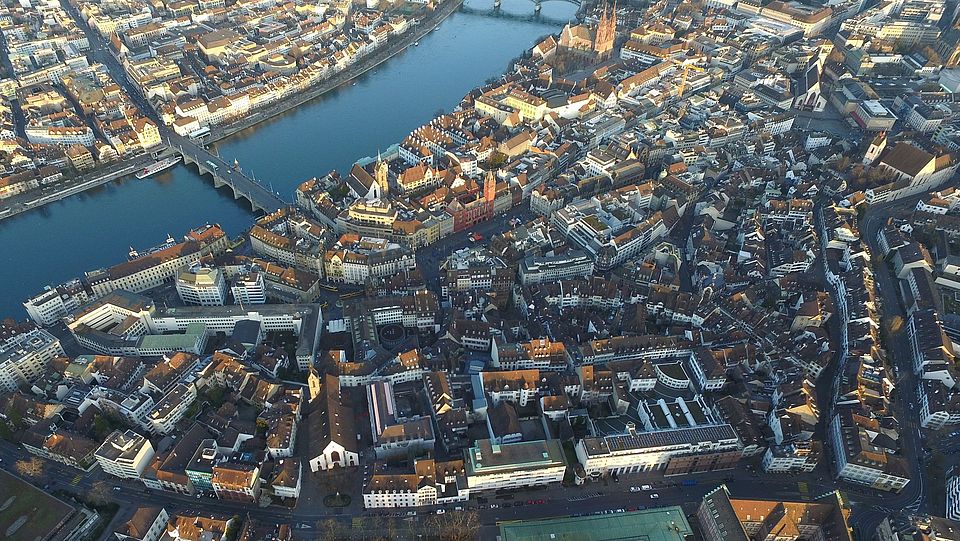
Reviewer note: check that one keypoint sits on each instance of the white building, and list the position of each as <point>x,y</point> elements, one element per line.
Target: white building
<point>171,408</point>
<point>146,524</point>
<point>50,306</point>
<point>203,286</point>
<point>429,483</point>
<point>249,288</point>
<point>125,454</point>
<point>24,357</point>
<point>858,460</point>
<point>540,270</point>
<point>514,465</point>
<point>706,448</point>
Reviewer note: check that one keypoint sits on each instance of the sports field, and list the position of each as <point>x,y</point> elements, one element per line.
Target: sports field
<point>27,513</point>
<point>660,524</point>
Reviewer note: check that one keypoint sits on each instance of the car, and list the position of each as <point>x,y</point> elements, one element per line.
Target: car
<point>635,489</point>
<point>458,508</point>
<point>646,487</point>
<point>411,513</point>
<point>199,496</point>
<point>116,489</point>
<point>440,511</point>
<point>654,496</point>
<point>494,506</point>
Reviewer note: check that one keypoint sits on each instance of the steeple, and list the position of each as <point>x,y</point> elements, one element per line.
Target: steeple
<point>490,187</point>
<point>380,175</point>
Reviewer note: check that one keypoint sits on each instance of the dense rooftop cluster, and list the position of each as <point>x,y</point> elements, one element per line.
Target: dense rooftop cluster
<point>645,248</point>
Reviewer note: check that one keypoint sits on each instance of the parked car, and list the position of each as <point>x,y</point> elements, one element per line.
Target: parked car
<point>654,496</point>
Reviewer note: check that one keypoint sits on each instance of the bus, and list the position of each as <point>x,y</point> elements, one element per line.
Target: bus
<point>351,295</point>
<point>212,165</point>
<point>200,134</point>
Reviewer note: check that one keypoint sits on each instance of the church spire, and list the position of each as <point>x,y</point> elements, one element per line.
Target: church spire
<point>381,175</point>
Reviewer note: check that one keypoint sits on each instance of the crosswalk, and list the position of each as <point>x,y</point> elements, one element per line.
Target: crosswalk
<point>76,480</point>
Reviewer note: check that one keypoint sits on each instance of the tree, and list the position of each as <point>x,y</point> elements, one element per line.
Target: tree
<point>331,530</point>
<point>458,526</point>
<point>31,467</point>
<point>99,493</point>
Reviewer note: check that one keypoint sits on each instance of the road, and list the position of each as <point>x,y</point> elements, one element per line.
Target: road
<point>593,497</point>
<point>913,497</point>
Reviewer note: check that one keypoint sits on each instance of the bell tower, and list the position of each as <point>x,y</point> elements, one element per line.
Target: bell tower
<point>490,187</point>
<point>380,175</point>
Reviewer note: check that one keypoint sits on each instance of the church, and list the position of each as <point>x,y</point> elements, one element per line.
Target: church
<point>369,187</point>
<point>596,42</point>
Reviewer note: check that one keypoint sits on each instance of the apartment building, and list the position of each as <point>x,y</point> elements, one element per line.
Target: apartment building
<point>125,454</point>
<point>24,357</point>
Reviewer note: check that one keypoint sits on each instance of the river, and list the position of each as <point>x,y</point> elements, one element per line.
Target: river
<point>96,228</point>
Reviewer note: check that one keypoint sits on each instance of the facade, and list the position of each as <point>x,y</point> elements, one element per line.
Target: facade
<point>248,288</point>
<point>540,270</point>
<point>490,466</point>
<point>146,524</point>
<point>429,483</point>
<point>153,269</point>
<point>236,482</point>
<point>24,357</point>
<point>679,451</point>
<point>203,286</point>
<point>333,430</point>
<point>860,460</point>
<point>125,454</point>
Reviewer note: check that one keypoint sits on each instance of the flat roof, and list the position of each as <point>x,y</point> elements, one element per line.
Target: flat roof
<point>660,524</point>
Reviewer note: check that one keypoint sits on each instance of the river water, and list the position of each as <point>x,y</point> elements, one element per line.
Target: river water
<point>63,239</point>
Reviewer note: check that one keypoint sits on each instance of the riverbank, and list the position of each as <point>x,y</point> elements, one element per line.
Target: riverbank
<point>29,201</point>
<point>393,48</point>
<point>40,197</point>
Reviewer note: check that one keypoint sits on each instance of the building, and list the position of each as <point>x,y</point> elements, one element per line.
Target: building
<point>427,483</point>
<point>596,42</point>
<point>248,288</point>
<point>202,285</point>
<point>152,269</point>
<point>146,524</point>
<point>541,270</point>
<point>680,451</point>
<point>490,466</point>
<point>859,457</point>
<point>238,482</point>
<point>53,304</point>
<point>393,433</point>
<point>654,524</point>
<point>723,518</point>
<point>335,442</point>
<point>24,357</point>
<point>125,454</point>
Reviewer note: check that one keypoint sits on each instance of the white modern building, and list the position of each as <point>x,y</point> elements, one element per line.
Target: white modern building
<point>248,288</point>
<point>125,454</point>
<point>24,357</point>
<point>490,466</point>
<point>202,285</point>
